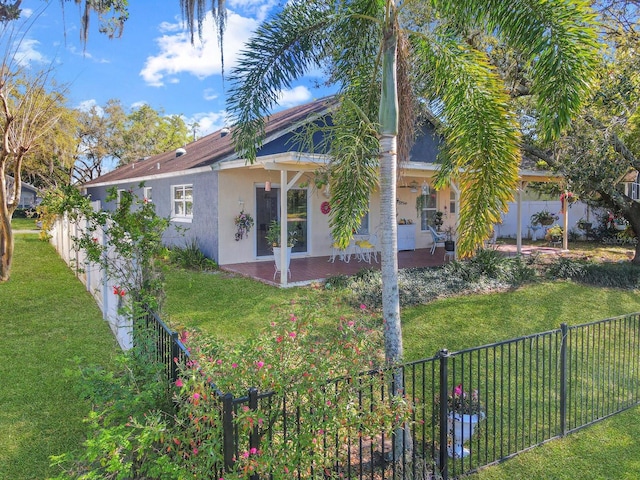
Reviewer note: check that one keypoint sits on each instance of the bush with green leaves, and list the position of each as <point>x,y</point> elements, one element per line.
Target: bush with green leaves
<point>125,242</point>
<point>191,257</point>
<point>488,271</point>
<point>300,415</point>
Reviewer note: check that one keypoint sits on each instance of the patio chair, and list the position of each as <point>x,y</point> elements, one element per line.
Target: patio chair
<point>367,249</point>
<point>343,254</point>
<point>438,239</point>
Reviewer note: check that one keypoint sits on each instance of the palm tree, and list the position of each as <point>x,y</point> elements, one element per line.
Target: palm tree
<point>383,55</point>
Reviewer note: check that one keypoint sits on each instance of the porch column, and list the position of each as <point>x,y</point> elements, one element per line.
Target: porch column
<point>521,187</point>
<point>565,225</point>
<point>284,188</point>
<point>456,190</point>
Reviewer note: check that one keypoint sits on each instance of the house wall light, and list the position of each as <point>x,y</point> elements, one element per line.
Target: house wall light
<point>267,186</point>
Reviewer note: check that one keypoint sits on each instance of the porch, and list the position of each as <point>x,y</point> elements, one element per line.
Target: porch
<point>310,269</point>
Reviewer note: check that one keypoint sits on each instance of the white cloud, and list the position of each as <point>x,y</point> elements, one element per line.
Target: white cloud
<point>257,8</point>
<point>26,52</point>
<point>208,122</point>
<point>87,105</point>
<point>293,97</point>
<point>209,94</point>
<point>202,60</point>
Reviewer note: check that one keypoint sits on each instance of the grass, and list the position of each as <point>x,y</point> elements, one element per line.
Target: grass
<point>236,307</point>
<point>23,223</point>
<point>47,318</point>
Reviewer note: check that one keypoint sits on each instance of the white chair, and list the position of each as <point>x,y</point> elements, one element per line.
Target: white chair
<point>343,254</point>
<point>438,239</point>
<point>367,248</point>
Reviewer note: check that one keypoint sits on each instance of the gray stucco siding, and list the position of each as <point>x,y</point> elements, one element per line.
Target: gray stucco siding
<point>201,227</point>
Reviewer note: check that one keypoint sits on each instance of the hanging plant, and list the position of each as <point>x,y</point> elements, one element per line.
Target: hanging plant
<point>243,222</point>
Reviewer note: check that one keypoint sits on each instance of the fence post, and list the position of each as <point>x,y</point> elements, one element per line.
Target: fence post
<point>443,460</point>
<point>254,438</point>
<point>175,351</point>
<point>228,437</point>
<point>563,379</point>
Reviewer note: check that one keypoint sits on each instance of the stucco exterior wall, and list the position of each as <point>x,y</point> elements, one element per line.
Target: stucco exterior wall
<point>181,232</point>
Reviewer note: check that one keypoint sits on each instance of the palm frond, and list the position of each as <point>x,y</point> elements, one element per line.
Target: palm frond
<point>481,136</point>
<point>558,37</point>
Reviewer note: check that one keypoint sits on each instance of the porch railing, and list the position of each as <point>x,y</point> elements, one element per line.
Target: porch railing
<point>532,389</point>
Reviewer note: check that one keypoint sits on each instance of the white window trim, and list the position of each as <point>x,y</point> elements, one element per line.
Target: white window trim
<point>181,218</point>
<point>146,195</point>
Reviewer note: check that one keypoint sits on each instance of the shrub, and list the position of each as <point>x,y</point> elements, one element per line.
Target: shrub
<point>612,275</point>
<point>290,365</point>
<point>566,268</point>
<point>191,257</point>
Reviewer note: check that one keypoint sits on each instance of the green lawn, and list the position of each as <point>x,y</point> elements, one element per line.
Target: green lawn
<point>23,223</point>
<point>47,319</point>
<point>235,307</point>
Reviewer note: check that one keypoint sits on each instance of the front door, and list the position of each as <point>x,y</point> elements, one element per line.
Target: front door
<point>268,209</point>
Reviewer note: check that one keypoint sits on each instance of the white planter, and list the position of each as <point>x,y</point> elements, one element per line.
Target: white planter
<point>461,428</point>
<point>620,228</point>
<point>277,258</point>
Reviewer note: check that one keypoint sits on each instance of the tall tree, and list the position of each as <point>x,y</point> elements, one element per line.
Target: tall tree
<point>380,54</point>
<point>30,106</point>
<point>603,144</point>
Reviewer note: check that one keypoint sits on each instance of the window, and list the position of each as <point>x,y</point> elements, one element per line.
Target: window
<point>148,197</point>
<point>428,210</point>
<point>364,225</point>
<point>119,197</point>
<point>183,201</point>
<point>452,202</point>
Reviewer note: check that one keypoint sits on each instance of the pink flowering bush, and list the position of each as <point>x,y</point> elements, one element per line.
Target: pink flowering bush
<point>289,365</point>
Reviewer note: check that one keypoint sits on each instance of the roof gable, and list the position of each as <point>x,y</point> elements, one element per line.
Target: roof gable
<point>213,148</point>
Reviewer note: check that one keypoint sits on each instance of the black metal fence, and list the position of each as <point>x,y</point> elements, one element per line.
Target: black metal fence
<point>532,389</point>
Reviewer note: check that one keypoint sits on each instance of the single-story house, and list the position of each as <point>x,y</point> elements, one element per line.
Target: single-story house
<point>29,195</point>
<point>204,186</point>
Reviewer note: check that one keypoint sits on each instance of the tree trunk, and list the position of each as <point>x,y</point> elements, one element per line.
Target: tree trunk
<point>388,118</point>
<point>389,256</point>
<point>6,248</point>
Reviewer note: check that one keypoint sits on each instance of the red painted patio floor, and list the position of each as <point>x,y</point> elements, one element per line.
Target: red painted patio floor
<point>309,269</point>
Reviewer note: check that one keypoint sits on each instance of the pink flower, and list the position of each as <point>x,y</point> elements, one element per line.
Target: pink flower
<point>328,403</point>
<point>293,318</point>
<point>260,364</point>
<point>279,339</point>
<point>363,306</point>
<point>234,365</point>
<point>253,451</point>
<point>179,383</point>
<point>219,362</point>
<point>292,334</point>
<point>195,451</point>
<point>122,293</point>
<point>458,390</point>
<point>196,396</point>
<point>351,323</point>
<point>116,290</point>
<point>245,454</point>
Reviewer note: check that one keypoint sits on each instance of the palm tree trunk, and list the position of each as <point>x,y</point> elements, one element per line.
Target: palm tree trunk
<point>388,118</point>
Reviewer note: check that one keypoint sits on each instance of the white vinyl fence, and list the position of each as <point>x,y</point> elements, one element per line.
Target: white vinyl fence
<point>92,276</point>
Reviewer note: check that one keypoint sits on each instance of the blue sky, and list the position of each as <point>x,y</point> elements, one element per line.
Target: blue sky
<point>153,62</point>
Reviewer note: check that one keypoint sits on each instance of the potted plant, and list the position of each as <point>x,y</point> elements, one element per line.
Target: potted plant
<point>620,223</point>
<point>583,225</point>
<point>464,413</point>
<point>273,239</point>
<point>543,217</point>
<point>449,243</point>
<point>554,234</point>
<point>243,222</point>
<point>438,220</point>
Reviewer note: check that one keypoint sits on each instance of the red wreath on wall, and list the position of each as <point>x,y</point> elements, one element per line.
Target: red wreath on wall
<point>325,207</point>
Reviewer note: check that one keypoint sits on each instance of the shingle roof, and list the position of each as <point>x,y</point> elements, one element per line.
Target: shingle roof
<point>211,148</point>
